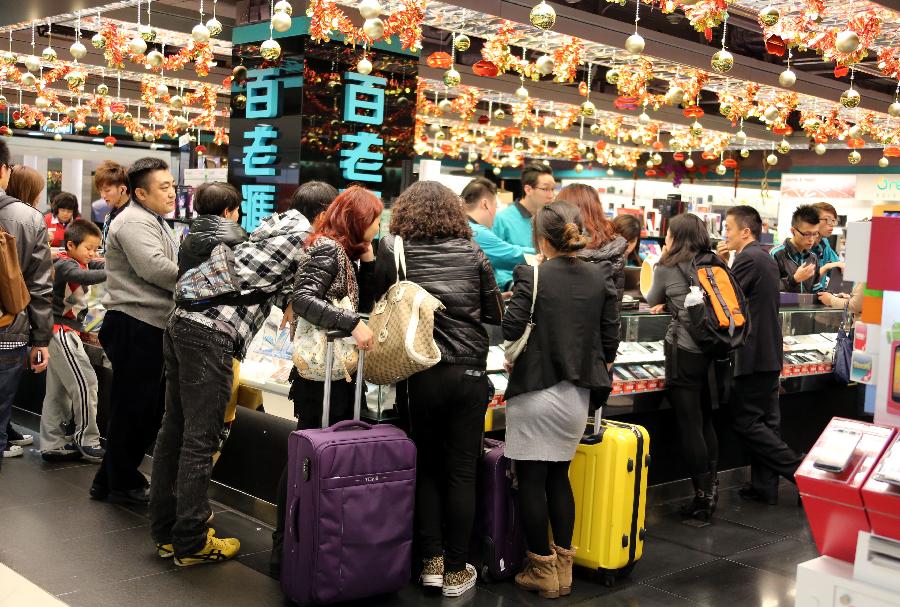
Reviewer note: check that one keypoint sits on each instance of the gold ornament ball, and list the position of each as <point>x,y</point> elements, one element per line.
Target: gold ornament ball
<point>854,157</point>
<point>440,135</point>
<point>181,123</point>
<point>445,105</point>
<point>98,40</point>
<point>725,108</point>
<point>545,65</point>
<point>283,6</point>
<point>32,63</point>
<point>373,28</point>
<point>470,168</point>
<point>634,44</point>
<point>369,9</point>
<point>49,55</point>
<point>696,129</point>
<point>855,131</point>
<point>820,149</point>
<point>519,146</point>
<point>596,129</point>
<point>850,98</point>
<point>200,33</point>
<point>127,116</point>
<point>542,16</point>
<point>883,162</point>
<point>590,156</point>
<point>496,171</point>
<point>787,78</point>
<point>150,138</point>
<point>740,136</point>
<point>118,116</point>
<point>57,137</point>
<point>137,136</point>
<point>281,22</point>
<point>721,169</point>
<point>644,118</point>
<point>3,101</point>
<point>240,101</point>
<point>689,163</point>
<point>847,41</point>
<point>588,109</point>
<point>522,93</point>
<point>435,127</point>
<point>582,147</point>
<point>612,76</point>
<point>20,123</point>
<point>147,33</point>
<point>772,159</point>
<point>364,66</point>
<point>894,109</point>
<point>579,168</point>
<point>783,147</point>
<point>722,61</point>
<point>162,90</point>
<point>99,128</point>
<point>675,95</point>
<point>71,113</point>
<point>8,58</point>
<point>75,81</point>
<point>650,163</point>
<point>102,89</point>
<point>155,58</point>
<point>41,102</point>
<point>610,172</point>
<point>29,79</point>
<point>769,16</point>
<point>657,158</point>
<point>137,45</point>
<point>176,102</point>
<point>811,124</point>
<point>462,43</point>
<point>79,125</point>
<point>745,153</point>
<point>452,78</point>
<point>472,157</point>
<point>771,113</point>
<point>270,50</point>
<point>499,114</point>
<point>214,26</point>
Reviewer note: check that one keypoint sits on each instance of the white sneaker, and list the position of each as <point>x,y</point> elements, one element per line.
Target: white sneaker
<point>13,451</point>
<point>460,582</point>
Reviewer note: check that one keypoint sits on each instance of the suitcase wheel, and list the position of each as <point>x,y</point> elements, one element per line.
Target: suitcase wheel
<point>608,578</point>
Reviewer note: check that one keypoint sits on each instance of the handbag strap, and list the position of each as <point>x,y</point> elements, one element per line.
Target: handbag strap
<point>533,294</point>
<point>399,257</point>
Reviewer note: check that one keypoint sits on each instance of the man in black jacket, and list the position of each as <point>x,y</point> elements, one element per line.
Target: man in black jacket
<point>756,413</point>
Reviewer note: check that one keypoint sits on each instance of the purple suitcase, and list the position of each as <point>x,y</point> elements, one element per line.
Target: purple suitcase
<point>499,539</point>
<point>351,495</point>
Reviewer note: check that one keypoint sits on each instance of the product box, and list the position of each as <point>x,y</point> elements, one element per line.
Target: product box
<point>862,367</point>
<point>881,494</point>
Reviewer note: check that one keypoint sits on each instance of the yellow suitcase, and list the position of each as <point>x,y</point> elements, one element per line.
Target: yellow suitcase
<point>609,480</point>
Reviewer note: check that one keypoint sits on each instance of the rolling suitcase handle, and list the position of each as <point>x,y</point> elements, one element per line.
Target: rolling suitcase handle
<point>330,336</point>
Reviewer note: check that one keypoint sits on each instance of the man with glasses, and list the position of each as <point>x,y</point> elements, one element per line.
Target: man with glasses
<point>828,258</point>
<point>513,224</point>
<point>798,265</point>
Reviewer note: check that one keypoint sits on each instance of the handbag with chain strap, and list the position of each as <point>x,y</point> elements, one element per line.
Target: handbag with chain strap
<point>403,324</point>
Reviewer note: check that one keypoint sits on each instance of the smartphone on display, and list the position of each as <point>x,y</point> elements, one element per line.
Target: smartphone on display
<point>894,401</point>
<point>838,450</point>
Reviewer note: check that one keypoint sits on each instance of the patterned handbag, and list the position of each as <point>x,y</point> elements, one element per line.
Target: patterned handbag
<point>212,278</point>
<point>310,347</point>
<point>403,324</point>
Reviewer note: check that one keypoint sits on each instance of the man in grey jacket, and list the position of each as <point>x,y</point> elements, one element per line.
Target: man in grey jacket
<point>32,328</point>
<point>141,269</point>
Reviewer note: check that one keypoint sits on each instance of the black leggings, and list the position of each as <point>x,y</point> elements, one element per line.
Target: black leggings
<point>689,394</point>
<point>545,493</point>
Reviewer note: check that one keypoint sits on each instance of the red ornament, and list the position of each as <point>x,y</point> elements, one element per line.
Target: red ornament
<point>483,119</point>
<point>855,143</point>
<point>693,111</point>
<point>485,69</point>
<point>5,131</point>
<point>658,145</point>
<point>821,138</point>
<point>783,130</point>
<point>200,149</point>
<point>709,155</point>
<point>583,89</point>
<point>678,156</point>
<point>109,141</point>
<point>439,60</point>
<point>94,130</point>
<point>651,173</point>
<point>891,151</point>
<point>840,71</point>
<point>775,45</point>
<point>730,163</point>
<point>600,145</point>
<point>626,103</point>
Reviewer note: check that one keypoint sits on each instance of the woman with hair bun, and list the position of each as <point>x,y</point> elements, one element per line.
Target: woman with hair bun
<point>564,367</point>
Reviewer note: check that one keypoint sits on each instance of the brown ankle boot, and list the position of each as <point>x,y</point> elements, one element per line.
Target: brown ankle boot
<point>564,558</point>
<point>540,575</point>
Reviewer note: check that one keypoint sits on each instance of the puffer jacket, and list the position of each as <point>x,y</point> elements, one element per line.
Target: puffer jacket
<point>613,252</point>
<point>34,325</point>
<point>325,273</point>
<point>207,231</point>
<point>458,273</point>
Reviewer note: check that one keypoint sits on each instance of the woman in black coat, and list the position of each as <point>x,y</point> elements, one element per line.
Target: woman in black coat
<point>445,404</point>
<point>564,366</point>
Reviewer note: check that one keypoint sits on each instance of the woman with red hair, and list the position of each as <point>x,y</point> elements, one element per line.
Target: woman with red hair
<point>603,242</point>
<point>329,272</point>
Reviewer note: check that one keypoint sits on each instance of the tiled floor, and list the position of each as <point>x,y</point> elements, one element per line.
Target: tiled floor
<point>96,554</point>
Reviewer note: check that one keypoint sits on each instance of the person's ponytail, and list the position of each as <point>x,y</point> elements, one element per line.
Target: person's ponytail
<point>560,223</point>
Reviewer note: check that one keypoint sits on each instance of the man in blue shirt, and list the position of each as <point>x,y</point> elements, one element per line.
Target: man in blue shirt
<point>513,224</point>
<point>480,197</point>
<point>828,259</point>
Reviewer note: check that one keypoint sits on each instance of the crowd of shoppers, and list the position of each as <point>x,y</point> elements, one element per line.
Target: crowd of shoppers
<point>174,365</point>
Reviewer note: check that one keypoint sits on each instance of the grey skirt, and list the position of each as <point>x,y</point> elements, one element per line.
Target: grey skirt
<point>547,425</point>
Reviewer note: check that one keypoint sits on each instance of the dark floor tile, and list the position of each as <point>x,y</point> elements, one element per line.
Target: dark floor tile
<point>24,484</point>
<point>258,561</point>
<point>221,584</point>
<point>721,538</point>
<point>728,583</point>
<point>90,562</point>
<point>785,518</point>
<point>640,595</point>
<point>662,558</point>
<point>585,587</point>
<point>779,557</point>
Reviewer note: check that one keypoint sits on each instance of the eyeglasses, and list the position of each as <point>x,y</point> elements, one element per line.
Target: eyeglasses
<point>805,234</point>
<point>547,189</point>
<point>828,221</point>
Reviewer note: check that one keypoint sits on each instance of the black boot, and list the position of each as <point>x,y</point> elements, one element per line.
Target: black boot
<point>703,504</point>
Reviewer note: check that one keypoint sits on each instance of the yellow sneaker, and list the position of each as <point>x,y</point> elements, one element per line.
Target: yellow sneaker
<point>217,549</point>
<point>165,551</point>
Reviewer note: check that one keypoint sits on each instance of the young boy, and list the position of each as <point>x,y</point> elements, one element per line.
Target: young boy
<point>71,381</point>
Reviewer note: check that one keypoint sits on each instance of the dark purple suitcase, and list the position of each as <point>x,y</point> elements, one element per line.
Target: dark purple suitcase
<point>499,539</point>
<point>351,495</point>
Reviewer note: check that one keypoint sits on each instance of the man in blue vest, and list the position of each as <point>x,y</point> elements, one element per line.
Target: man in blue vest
<point>513,224</point>
<point>480,196</point>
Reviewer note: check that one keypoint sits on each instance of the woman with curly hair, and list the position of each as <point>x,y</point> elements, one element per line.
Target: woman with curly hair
<point>444,405</point>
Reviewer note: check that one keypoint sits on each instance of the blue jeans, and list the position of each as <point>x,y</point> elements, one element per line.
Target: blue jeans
<point>12,364</point>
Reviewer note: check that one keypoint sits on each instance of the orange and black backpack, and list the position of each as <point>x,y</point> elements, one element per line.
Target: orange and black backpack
<point>721,323</point>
